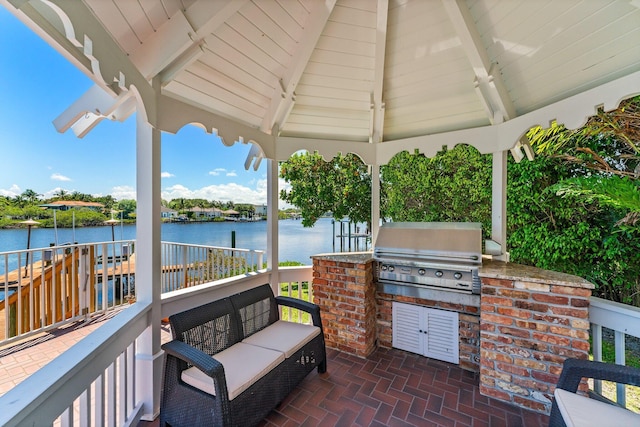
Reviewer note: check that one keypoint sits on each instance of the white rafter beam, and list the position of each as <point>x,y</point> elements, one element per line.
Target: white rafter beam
<point>488,79</point>
<point>377,119</point>
<point>488,82</point>
<point>283,96</point>
<point>179,41</point>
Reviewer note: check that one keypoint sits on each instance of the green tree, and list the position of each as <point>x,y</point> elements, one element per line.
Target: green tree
<point>341,186</point>
<point>607,147</point>
<point>453,186</point>
<point>31,196</point>
<point>127,207</point>
<point>61,194</point>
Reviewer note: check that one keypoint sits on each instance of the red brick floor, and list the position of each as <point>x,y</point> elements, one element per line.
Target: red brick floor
<point>394,388</point>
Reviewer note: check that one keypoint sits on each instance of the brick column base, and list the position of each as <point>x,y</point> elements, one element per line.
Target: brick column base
<point>343,288</point>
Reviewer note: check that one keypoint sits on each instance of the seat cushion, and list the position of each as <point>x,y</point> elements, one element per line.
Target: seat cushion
<point>244,364</point>
<point>283,336</point>
<point>578,410</point>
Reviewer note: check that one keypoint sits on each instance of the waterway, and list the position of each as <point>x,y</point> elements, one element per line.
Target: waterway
<point>296,243</point>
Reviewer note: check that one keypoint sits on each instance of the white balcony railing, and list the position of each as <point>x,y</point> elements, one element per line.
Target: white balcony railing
<point>623,320</point>
<point>96,382</point>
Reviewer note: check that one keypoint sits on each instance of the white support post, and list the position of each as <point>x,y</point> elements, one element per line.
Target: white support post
<point>375,202</point>
<point>148,265</point>
<point>272,223</point>
<point>499,204</point>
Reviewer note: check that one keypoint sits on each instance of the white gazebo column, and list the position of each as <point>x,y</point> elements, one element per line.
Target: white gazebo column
<point>375,201</point>
<point>148,265</point>
<point>499,207</point>
<point>272,223</point>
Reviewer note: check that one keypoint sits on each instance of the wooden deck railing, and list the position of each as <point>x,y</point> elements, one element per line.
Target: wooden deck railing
<point>41,289</point>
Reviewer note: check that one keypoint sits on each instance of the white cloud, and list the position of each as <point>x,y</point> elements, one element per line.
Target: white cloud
<point>232,173</point>
<point>122,192</point>
<point>13,191</point>
<point>236,193</point>
<point>59,177</point>
<point>217,171</point>
<point>167,175</point>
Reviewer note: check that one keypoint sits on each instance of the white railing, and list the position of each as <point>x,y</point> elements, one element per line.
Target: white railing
<point>623,320</point>
<point>296,283</point>
<point>91,384</point>
<point>189,265</point>
<point>43,289</point>
<point>94,383</point>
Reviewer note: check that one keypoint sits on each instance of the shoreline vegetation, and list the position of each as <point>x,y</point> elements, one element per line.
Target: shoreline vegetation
<point>68,210</point>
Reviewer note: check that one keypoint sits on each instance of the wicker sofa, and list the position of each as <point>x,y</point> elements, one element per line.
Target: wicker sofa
<point>570,409</point>
<point>232,360</point>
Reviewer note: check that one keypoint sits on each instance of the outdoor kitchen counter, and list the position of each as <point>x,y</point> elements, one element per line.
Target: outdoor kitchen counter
<point>511,271</point>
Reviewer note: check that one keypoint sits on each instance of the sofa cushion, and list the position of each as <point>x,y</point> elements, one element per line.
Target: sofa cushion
<point>578,410</point>
<point>283,336</point>
<point>244,364</point>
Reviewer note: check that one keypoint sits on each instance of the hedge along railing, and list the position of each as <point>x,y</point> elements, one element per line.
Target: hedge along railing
<point>186,265</point>
<point>623,320</point>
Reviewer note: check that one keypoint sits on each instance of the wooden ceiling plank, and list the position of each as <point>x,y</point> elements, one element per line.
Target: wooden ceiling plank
<point>283,96</point>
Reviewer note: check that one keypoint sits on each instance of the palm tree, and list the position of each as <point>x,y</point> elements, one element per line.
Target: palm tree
<point>31,196</point>
<point>607,146</point>
<point>61,194</point>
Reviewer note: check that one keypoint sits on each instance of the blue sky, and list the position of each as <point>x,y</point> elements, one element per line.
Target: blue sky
<point>37,84</point>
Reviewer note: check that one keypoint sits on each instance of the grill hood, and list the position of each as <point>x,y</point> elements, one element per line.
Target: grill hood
<point>457,242</point>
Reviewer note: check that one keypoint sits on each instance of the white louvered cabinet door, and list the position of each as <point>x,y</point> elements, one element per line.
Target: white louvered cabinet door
<point>430,332</point>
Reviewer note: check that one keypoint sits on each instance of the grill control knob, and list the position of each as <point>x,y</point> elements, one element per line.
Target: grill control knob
<point>439,273</point>
<point>383,268</point>
<point>391,268</point>
<point>421,272</point>
<point>457,275</point>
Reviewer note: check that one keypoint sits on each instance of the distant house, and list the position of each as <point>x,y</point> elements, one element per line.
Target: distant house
<point>260,210</point>
<point>208,213</point>
<point>168,213</point>
<point>65,205</point>
<point>231,215</point>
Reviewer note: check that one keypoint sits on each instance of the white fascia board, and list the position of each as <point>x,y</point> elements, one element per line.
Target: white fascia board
<point>327,148</point>
<point>173,114</point>
<point>572,112</point>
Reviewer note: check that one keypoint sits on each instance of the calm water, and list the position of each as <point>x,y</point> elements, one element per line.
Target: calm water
<point>296,243</point>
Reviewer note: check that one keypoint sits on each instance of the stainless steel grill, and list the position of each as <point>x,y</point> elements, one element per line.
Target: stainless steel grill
<point>437,255</point>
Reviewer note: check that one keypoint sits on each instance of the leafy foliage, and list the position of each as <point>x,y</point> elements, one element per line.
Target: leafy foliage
<point>341,186</point>
<point>572,235</point>
<point>453,186</point>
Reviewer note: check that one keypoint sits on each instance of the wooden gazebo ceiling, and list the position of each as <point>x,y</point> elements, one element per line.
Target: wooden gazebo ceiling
<point>326,72</point>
